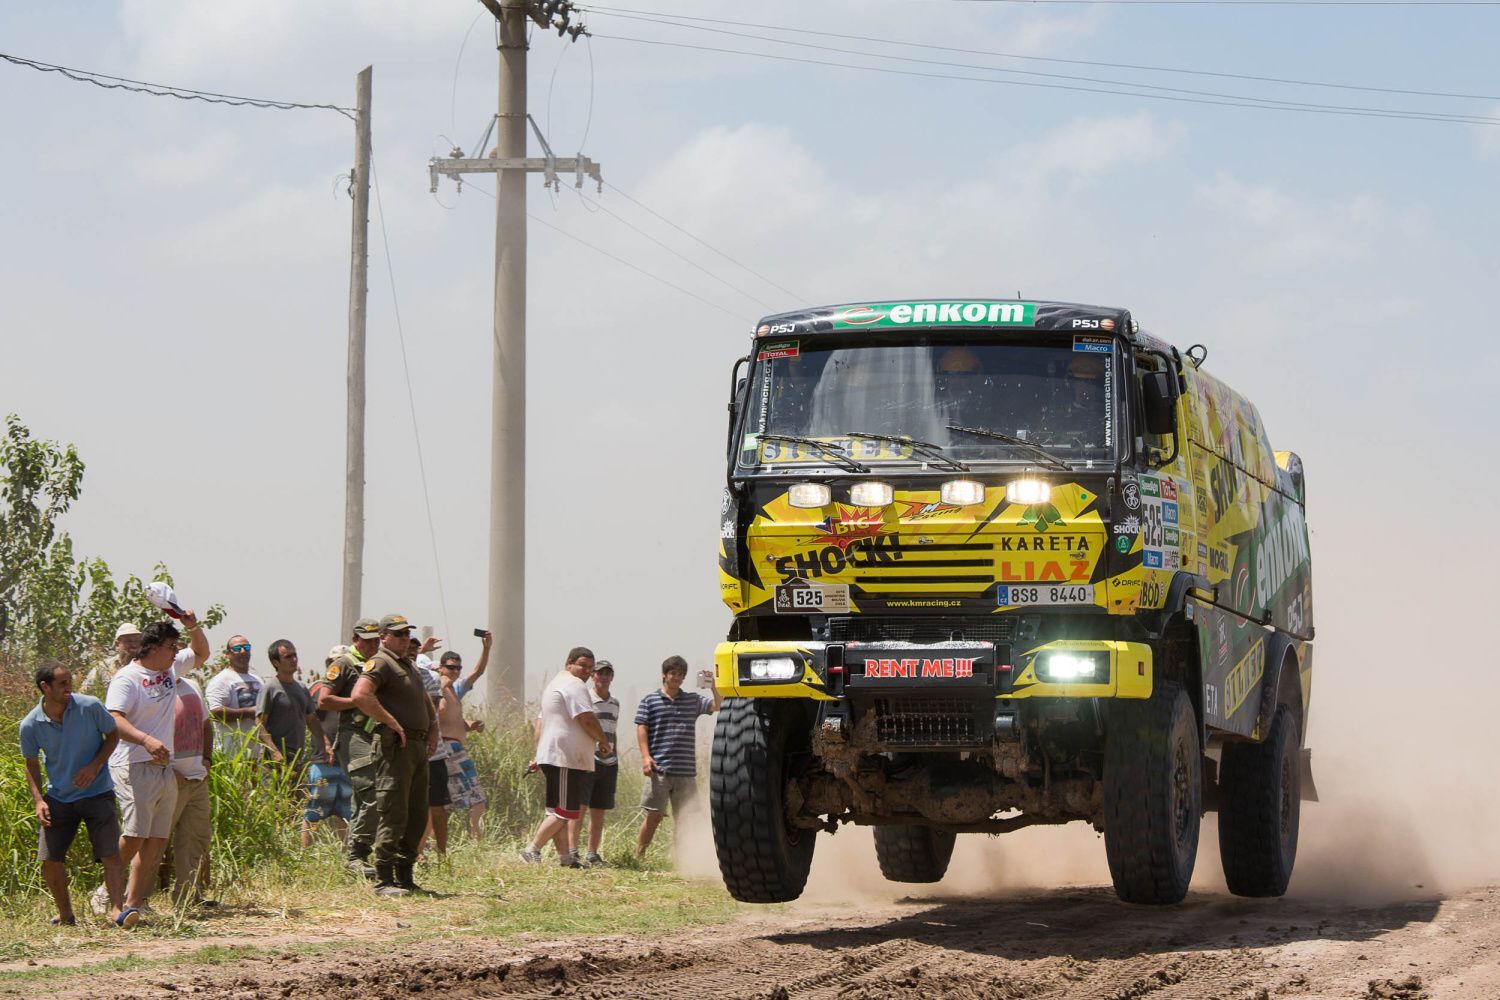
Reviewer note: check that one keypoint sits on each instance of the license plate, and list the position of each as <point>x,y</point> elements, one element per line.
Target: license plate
<point>805,598</point>
<point>1012,595</point>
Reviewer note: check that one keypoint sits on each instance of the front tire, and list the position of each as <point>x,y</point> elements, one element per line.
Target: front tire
<point>1153,795</point>
<point>762,858</point>
<point>1260,792</point>
<point>913,853</point>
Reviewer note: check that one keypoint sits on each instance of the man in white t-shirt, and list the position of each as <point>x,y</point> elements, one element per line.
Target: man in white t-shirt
<point>143,700</point>
<point>231,695</point>
<point>567,734</point>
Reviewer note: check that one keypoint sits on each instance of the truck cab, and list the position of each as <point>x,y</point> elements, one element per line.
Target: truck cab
<point>996,563</point>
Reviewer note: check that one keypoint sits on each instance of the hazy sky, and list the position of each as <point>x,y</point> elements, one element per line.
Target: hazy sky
<point>174,278</point>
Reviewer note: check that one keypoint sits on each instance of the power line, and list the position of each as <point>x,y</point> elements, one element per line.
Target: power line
<point>108,82</point>
<point>1251,3</point>
<point>621,260</point>
<point>411,400</point>
<point>1258,103</point>
<point>597,206</point>
<point>1250,99</point>
<point>621,11</point>
<point>702,242</point>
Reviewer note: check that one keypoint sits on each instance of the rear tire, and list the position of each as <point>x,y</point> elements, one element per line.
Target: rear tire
<point>913,853</point>
<point>1153,795</point>
<point>762,859</point>
<point>1260,793</point>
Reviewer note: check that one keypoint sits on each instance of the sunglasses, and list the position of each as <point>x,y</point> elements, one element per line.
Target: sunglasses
<point>243,647</point>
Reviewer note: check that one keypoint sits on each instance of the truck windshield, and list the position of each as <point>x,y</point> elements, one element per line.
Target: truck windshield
<point>1056,397</point>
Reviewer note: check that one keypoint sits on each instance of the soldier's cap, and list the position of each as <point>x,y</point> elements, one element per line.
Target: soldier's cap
<point>395,623</point>
<point>367,628</point>
<point>602,665</point>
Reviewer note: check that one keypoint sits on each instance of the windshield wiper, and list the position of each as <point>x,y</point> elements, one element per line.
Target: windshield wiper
<point>823,448</point>
<point>932,452</point>
<point>1018,442</point>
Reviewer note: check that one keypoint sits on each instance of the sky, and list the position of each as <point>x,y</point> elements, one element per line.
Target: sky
<point>174,283</point>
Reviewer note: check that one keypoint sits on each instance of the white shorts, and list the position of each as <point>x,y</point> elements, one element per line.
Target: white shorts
<point>147,794</point>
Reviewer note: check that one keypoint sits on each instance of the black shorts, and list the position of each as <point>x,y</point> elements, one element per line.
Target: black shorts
<point>437,783</point>
<point>599,786</point>
<point>97,812</point>
<point>564,791</point>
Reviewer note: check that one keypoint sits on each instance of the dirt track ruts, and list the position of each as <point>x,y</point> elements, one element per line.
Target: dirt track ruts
<point>1070,943</point>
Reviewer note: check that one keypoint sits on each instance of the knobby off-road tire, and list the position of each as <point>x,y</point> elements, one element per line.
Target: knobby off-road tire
<point>762,859</point>
<point>913,853</point>
<point>1260,793</point>
<point>1153,795</point>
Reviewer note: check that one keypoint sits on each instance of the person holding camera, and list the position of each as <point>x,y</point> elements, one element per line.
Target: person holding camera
<point>665,731</point>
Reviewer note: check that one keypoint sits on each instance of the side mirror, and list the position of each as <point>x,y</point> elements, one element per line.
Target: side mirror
<point>1156,398</point>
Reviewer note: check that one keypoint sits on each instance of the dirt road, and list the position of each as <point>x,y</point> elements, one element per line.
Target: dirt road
<point>1068,943</point>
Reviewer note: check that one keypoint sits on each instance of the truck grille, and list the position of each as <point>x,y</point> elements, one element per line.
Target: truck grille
<point>922,628</point>
<point>927,721</point>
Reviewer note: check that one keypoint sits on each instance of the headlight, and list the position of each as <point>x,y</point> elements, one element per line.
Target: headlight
<point>809,495</point>
<point>1082,668</point>
<point>962,492</point>
<point>774,668</point>
<point>871,494</point>
<point>1028,491</point>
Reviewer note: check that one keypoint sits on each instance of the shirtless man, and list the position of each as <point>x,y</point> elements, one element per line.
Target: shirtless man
<point>463,778</point>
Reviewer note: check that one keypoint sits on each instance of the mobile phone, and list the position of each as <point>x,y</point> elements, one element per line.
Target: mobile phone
<point>480,633</point>
<point>705,678</point>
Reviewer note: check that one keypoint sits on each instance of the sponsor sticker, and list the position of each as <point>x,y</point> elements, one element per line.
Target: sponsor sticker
<point>782,349</point>
<point>1169,512</point>
<point>1130,493</point>
<point>1151,559</point>
<point>1023,595</point>
<point>811,599</point>
<point>1085,344</point>
<point>885,315</point>
<point>921,668</point>
<point>1123,543</point>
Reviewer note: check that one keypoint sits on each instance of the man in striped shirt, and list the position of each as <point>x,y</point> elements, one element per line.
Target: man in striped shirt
<point>665,730</point>
<point>599,785</point>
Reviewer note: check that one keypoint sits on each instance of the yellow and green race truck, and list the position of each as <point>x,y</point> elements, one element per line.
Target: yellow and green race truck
<point>996,563</point>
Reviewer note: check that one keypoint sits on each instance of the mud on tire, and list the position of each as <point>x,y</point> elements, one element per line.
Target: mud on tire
<point>1260,791</point>
<point>913,853</point>
<point>762,859</point>
<point>1153,793</point>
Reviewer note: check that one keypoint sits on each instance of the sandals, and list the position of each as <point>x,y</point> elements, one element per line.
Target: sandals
<point>128,918</point>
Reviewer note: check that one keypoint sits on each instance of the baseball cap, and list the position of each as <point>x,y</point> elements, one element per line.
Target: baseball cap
<point>395,623</point>
<point>603,665</point>
<point>126,628</point>
<point>337,651</point>
<point>367,628</point>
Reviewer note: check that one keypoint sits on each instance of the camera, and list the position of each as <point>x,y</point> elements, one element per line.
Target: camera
<point>480,633</point>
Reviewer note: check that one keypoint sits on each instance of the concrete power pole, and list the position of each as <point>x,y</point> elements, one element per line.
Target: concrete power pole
<point>507,550</point>
<point>359,287</point>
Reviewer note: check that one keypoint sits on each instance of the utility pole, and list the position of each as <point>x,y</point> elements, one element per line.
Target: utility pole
<point>359,287</point>
<point>511,166</point>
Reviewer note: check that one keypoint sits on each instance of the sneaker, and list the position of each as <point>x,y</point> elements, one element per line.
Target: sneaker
<point>531,856</point>
<point>390,890</point>
<point>571,862</point>
<point>99,901</point>
<point>593,860</point>
<point>128,918</point>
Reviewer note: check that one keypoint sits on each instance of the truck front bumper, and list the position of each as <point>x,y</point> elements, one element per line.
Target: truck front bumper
<point>823,671</point>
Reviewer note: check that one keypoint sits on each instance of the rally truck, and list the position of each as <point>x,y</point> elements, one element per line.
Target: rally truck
<point>997,563</point>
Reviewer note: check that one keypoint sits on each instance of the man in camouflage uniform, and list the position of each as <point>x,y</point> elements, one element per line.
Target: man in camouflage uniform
<point>403,724</point>
<point>353,748</point>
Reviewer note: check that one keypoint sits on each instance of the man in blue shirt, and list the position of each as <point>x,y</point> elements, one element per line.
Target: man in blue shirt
<point>75,736</point>
<point>665,732</point>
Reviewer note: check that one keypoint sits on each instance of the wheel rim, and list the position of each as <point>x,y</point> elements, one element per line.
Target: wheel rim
<point>1181,794</point>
